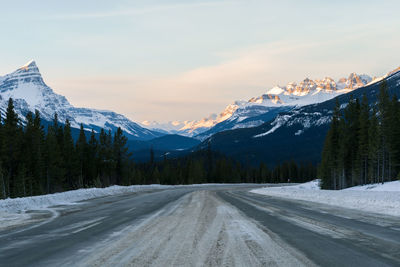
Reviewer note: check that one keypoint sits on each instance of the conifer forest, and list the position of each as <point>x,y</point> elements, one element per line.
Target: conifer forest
<point>362,145</point>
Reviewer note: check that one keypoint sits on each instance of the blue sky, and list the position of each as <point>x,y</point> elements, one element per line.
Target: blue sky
<point>181,60</point>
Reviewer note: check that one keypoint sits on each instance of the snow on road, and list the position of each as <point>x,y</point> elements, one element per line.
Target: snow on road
<point>196,230</point>
<point>377,198</point>
<point>13,210</point>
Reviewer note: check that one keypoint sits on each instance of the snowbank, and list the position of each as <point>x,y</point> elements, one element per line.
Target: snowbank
<point>386,187</point>
<point>312,185</point>
<point>377,198</point>
<point>17,205</point>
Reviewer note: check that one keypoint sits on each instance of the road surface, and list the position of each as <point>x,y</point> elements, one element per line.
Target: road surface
<point>202,226</point>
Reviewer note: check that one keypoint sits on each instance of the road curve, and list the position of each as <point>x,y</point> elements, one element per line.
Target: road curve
<point>203,226</point>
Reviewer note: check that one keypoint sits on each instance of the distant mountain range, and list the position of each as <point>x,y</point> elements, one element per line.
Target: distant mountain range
<point>287,122</point>
<point>30,92</point>
<point>296,134</point>
<point>257,110</point>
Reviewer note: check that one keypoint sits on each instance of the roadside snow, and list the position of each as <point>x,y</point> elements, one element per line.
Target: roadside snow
<point>13,210</point>
<point>377,198</point>
<point>386,187</point>
<point>312,185</point>
<point>14,205</point>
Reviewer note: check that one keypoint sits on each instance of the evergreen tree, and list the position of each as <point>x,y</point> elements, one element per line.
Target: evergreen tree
<point>11,148</point>
<point>121,155</point>
<point>81,152</point>
<point>329,169</point>
<point>69,159</point>
<point>363,140</point>
<point>384,130</point>
<point>92,161</point>
<point>53,159</point>
<point>373,148</point>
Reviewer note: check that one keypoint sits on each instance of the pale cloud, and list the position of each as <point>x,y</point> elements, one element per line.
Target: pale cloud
<point>240,75</point>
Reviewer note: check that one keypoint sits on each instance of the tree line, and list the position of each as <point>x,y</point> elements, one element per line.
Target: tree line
<point>207,166</point>
<point>362,145</point>
<point>35,161</point>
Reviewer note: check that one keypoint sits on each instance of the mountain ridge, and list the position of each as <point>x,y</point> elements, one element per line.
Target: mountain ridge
<point>297,134</point>
<point>239,113</point>
<point>29,92</point>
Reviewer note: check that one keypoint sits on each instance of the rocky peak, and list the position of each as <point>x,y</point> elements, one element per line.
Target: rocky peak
<point>29,73</point>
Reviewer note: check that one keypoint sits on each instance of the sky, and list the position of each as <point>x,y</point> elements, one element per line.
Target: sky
<point>167,60</point>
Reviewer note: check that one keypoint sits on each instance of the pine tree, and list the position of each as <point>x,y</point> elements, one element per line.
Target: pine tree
<point>69,159</point>
<point>3,194</point>
<point>363,140</point>
<point>384,130</point>
<point>53,159</point>
<point>373,147</point>
<point>38,149</point>
<point>395,130</point>
<point>92,160</point>
<point>81,151</point>
<point>121,155</point>
<point>11,148</point>
<point>329,169</point>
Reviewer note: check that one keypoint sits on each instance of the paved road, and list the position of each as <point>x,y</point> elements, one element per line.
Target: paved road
<point>328,236</point>
<point>211,225</point>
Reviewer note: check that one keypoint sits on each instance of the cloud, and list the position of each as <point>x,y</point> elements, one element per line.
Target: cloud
<point>239,75</point>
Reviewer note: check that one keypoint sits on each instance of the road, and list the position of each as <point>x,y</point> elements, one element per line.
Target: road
<point>203,226</point>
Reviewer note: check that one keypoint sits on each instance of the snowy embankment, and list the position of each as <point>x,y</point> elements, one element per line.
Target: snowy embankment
<point>12,210</point>
<point>377,198</point>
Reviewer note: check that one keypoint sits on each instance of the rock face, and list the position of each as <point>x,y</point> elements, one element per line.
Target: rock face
<point>30,93</point>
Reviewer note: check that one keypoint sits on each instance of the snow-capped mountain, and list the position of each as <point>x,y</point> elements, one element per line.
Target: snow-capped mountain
<point>257,110</point>
<point>171,127</point>
<point>29,91</point>
<point>296,134</point>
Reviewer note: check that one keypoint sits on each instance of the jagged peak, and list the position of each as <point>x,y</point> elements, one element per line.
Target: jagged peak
<point>29,65</point>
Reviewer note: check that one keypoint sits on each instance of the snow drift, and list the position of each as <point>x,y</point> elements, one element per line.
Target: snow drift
<point>376,198</point>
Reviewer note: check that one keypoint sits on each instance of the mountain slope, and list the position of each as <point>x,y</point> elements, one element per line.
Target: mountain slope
<point>297,134</point>
<point>258,110</point>
<point>29,91</point>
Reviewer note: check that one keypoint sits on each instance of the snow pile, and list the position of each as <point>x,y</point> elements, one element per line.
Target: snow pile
<point>378,198</point>
<point>386,187</point>
<point>312,185</point>
<point>17,205</point>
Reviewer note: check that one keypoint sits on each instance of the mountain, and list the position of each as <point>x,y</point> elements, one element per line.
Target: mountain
<point>29,91</point>
<point>257,110</point>
<point>171,127</point>
<point>297,134</point>
<point>172,146</point>
<point>166,143</point>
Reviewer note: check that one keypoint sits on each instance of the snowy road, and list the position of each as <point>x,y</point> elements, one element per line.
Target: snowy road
<point>203,226</point>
